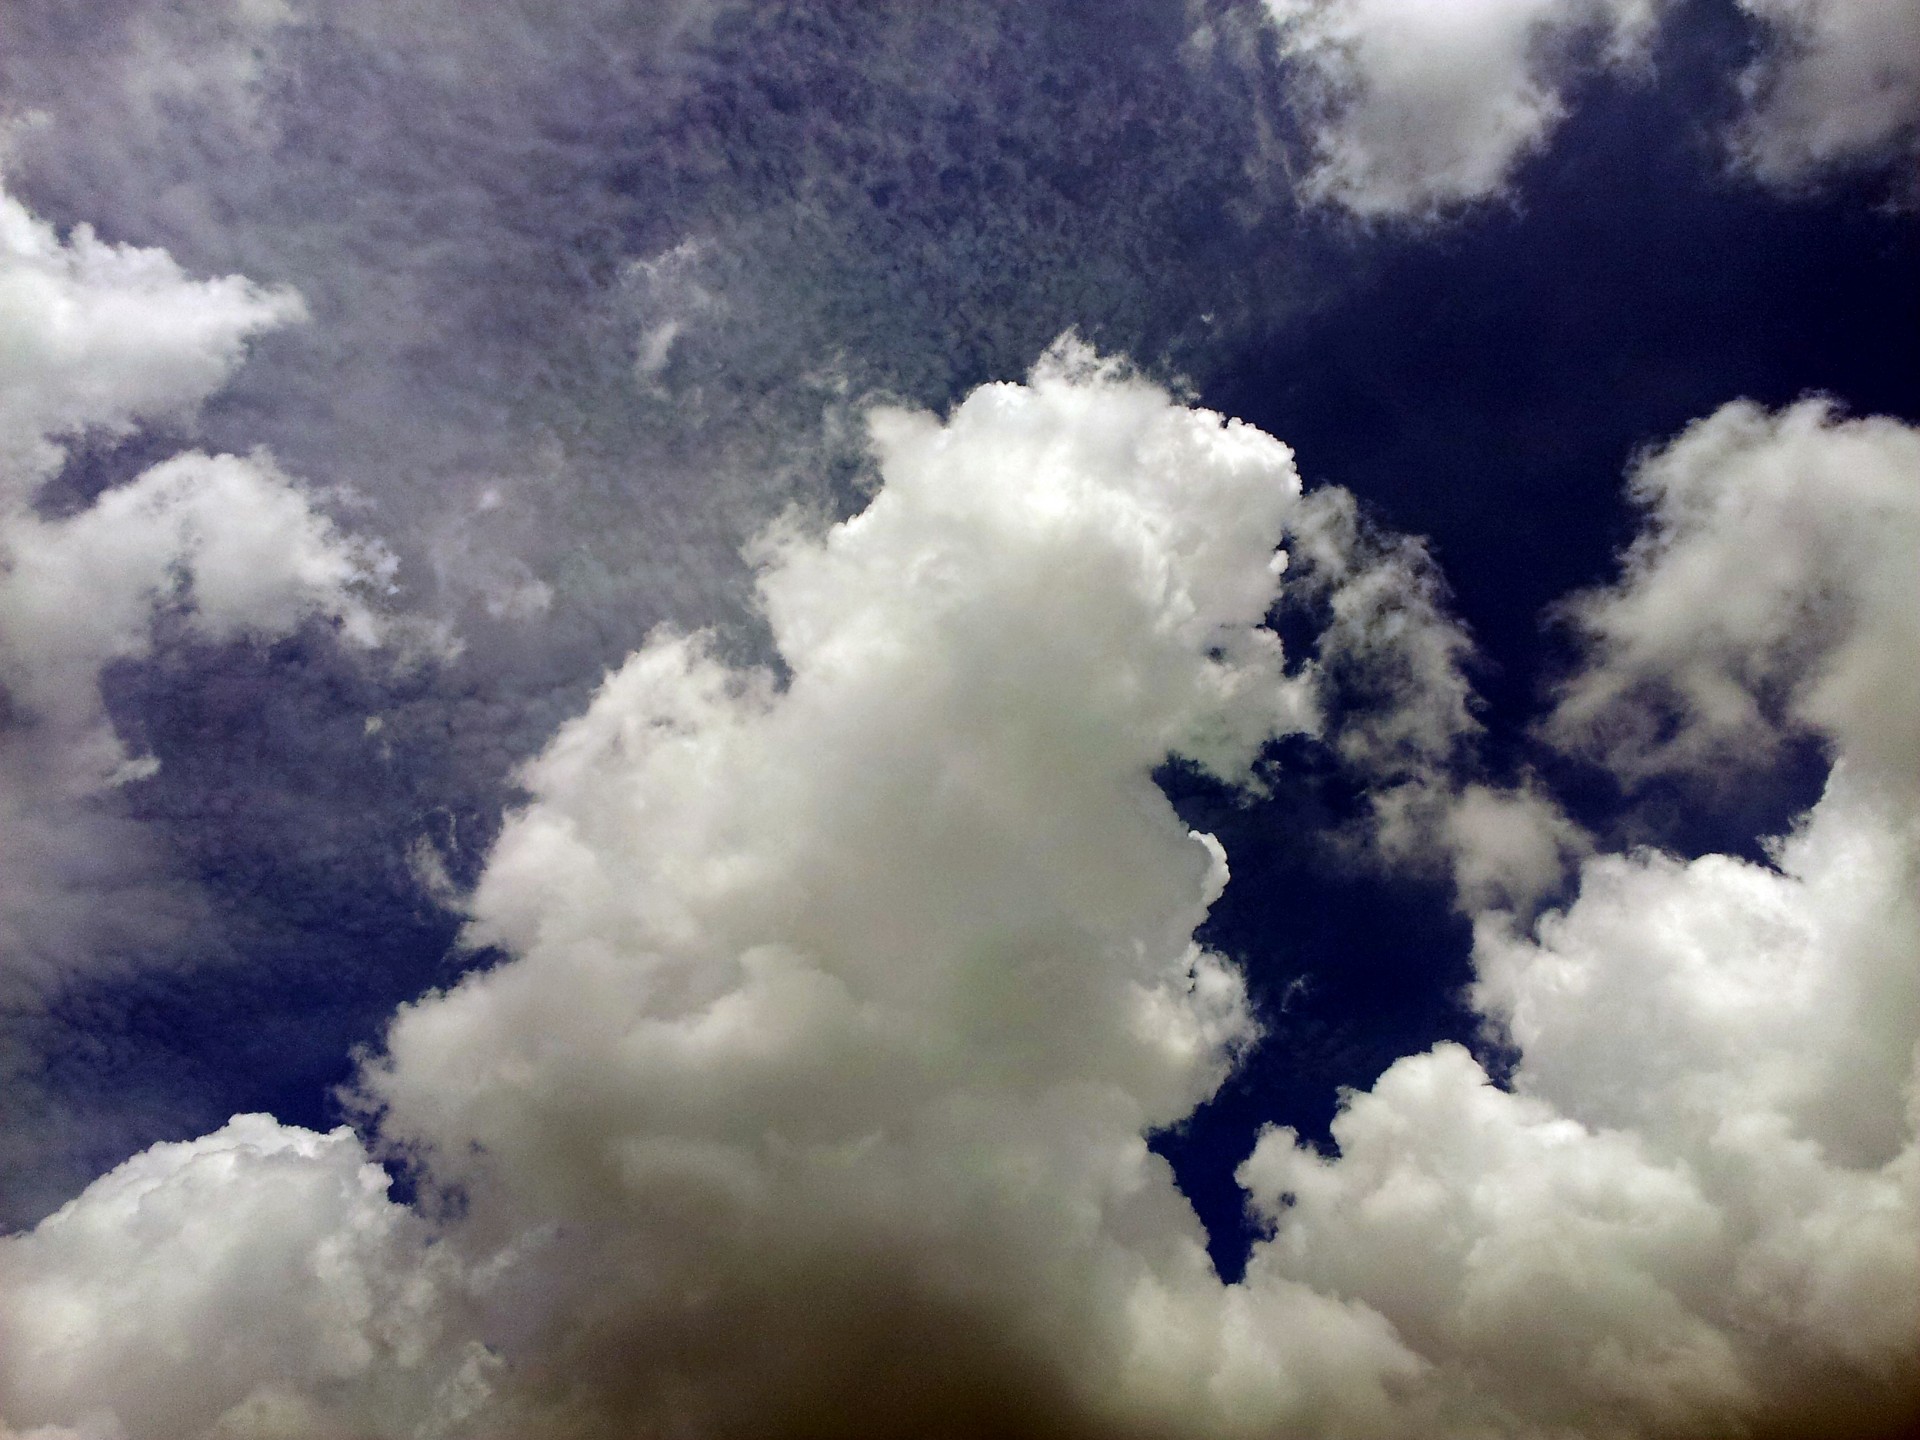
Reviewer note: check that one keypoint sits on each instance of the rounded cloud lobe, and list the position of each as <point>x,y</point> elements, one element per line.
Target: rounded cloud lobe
<point>1838,88</point>
<point>839,1001</point>
<point>104,342</point>
<point>1699,1195</point>
<point>1771,592</point>
<point>1415,109</point>
<point>888,962</point>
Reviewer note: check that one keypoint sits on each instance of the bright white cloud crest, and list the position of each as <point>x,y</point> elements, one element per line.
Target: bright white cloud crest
<point>811,1096</point>
<point>1772,590</point>
<point>1416,107</point>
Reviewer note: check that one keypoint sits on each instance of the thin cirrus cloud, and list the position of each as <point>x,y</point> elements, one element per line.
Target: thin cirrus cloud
<point>811,1095</point>
<point>1413,110</point>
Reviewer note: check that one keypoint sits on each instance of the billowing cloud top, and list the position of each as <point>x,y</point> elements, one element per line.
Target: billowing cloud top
<point>838,1003</point>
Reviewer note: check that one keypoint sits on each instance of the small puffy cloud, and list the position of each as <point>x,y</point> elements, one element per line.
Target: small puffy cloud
<point>1390,656</point>
<point>1414,108</point>
<point>232,544</point>
<point>1390,675</point>
<point>256,1281</point>
<point>1838,87</point>
<point>100,337</point>
<point>1772,590</point>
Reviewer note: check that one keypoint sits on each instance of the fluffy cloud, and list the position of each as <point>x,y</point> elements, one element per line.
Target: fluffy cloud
<point>101,339</point>
<point>1413,108</point>
<point>1772,590</point>
<point>812,1093</point>
<point>861,988</point>
<point>1838,87</point>
<point>1699,1197</point>
<point>1390,676</point>
<point>254,1282</point>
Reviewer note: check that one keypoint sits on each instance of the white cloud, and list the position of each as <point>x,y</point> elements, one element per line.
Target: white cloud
<point>232,544</point>
<point>1414,107</point>
<point>862,989</point>
<point>256,1281</point>
<point>101,337</point>
<point>1772,590</point>
<point>1700,1197</point>
<point>1838,87</point>
<point>99,340</point>
<point>1389,651</point>
<point>813,1095</point>
<point>1391,676</point>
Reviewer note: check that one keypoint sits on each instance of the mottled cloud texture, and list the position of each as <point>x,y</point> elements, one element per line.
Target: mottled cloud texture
<point>101,341</point>
<point>812,1094</point>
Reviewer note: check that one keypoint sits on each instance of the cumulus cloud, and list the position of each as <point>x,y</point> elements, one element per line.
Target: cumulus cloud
<point>888,962</point>
<point>254,1282</point>
<point>101,339</point>
<point>812,1093</point>
<point>1412,108</point>
<point>103,342</point>
<point>1838,87</point>
<point>1698,1198</point>
<point>1772,591</point>
<point>1391,675</point>
<point>483,207</point>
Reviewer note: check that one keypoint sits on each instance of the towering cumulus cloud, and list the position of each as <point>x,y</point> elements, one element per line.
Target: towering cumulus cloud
<point>810,1094</point>
<point>843,1002</point>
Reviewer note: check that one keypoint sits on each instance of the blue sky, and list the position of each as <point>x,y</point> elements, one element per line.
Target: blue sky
<point>636,604</point>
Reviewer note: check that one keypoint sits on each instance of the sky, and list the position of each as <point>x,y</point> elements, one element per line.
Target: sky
<point>1179,720</point>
